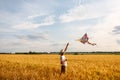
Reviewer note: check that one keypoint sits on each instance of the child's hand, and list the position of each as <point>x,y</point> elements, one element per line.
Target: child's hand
<point>68,43</point>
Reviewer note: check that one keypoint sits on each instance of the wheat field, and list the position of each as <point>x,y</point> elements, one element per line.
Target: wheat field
<point>47,67</point>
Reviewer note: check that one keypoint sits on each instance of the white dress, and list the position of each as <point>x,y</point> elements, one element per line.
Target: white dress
<point>63,59</point>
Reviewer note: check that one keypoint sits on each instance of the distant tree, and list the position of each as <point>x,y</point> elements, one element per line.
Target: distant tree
<point>29,52</point>
<point>75,53</point>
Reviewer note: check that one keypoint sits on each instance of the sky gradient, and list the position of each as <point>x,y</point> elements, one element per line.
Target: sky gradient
<point>47,25</point>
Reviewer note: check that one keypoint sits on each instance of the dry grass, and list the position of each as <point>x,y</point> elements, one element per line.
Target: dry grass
<point>47,67</point>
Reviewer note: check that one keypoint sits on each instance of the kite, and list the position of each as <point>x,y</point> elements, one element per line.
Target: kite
<point>85,39</point>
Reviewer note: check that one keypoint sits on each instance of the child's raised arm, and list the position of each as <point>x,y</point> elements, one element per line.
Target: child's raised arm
<point>66,47</point>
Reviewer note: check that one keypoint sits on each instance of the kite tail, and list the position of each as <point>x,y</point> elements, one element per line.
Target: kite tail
<point>93,44</point>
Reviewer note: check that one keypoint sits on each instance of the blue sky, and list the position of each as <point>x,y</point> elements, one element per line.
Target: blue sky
<point>47,25</point>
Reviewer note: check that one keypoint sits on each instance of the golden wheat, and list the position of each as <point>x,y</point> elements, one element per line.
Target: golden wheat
<point>47,67</point>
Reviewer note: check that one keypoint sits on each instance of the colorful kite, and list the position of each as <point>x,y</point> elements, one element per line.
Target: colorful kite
<point>85,39</point>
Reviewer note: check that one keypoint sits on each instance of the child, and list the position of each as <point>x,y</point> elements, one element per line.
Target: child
<point>63,59</point>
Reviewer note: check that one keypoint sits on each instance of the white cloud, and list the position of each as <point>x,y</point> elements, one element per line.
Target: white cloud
<point>80,13</point>
<point>26,25</point>
<point>36,15</point>
<point>92,10</point>
<point>33,16</point>
<point>49,20</point>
